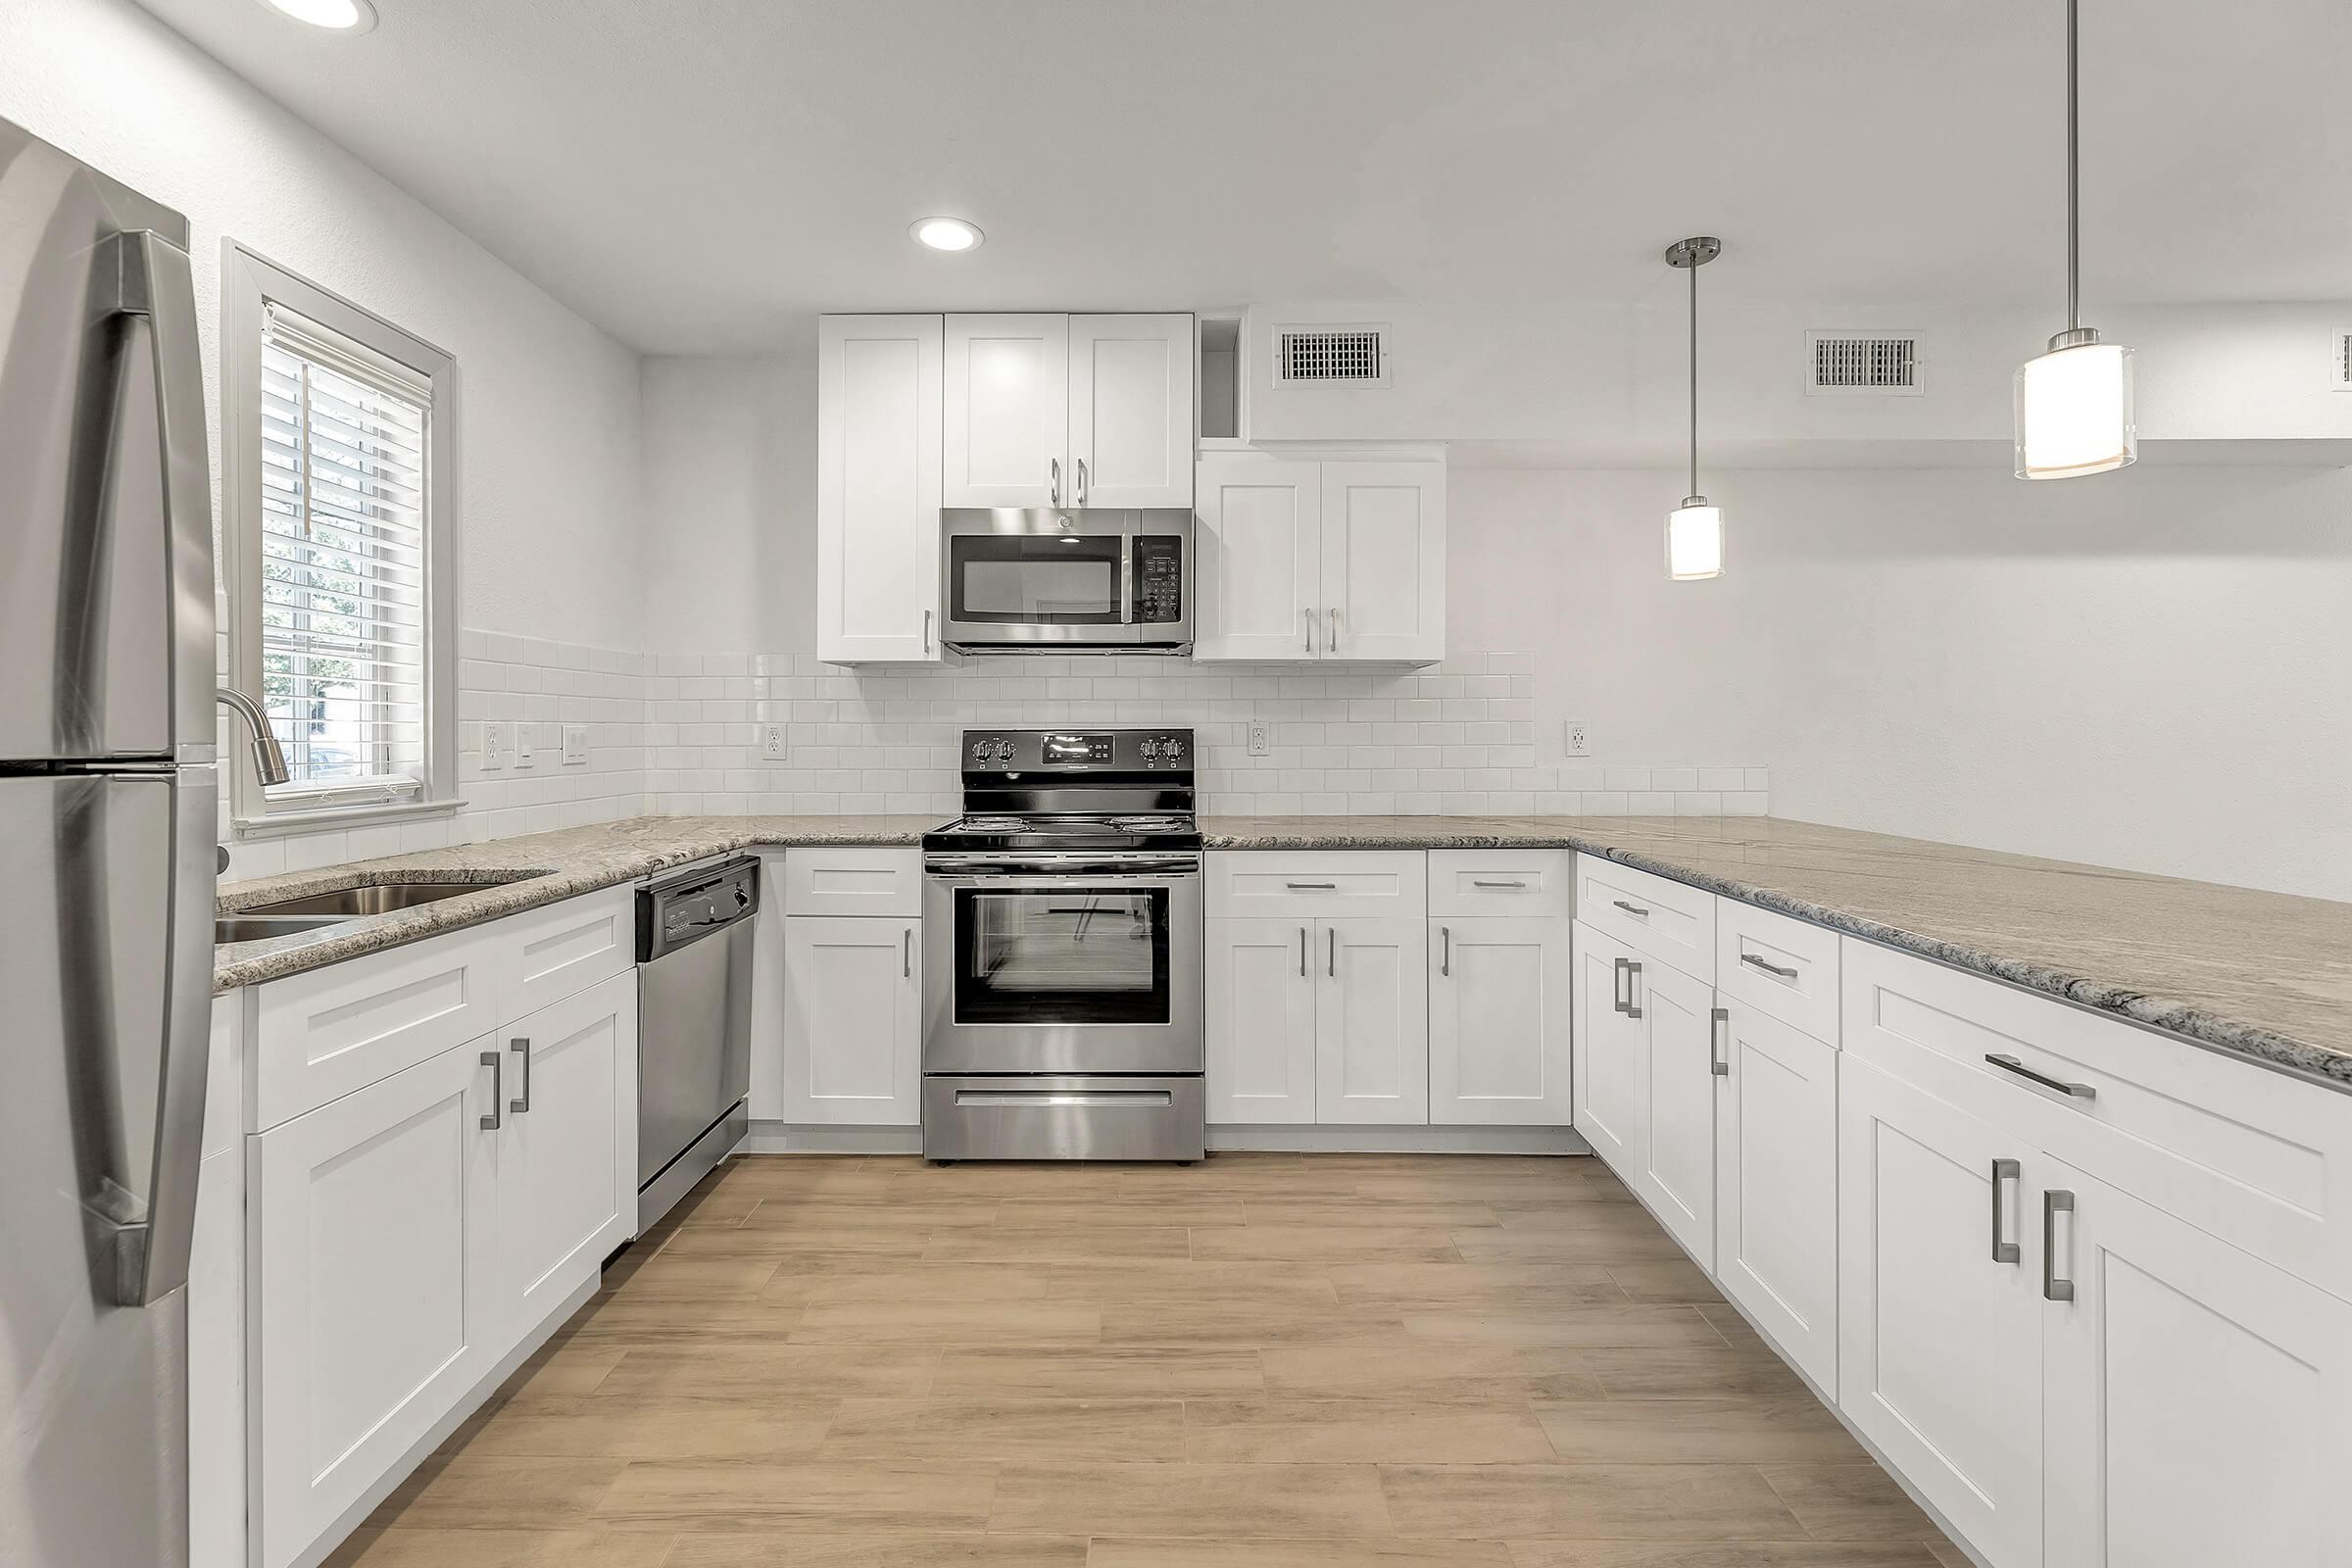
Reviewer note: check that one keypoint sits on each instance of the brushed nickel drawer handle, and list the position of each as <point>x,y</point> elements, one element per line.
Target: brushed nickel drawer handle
<point>907,953</point>
<point>1312,887</point>
<point>1332,964</point>
<point>1053,466</point>
<point>1476,883</point>
<point>1633,981</point>
<point>2003,1170</point>
<point>1310,629</point>
<point>523,1050</point>
<point>1767,966</point>
<point>1302,952</point>
<point>1631,909</point>
<point>1446,964</point>
<point>1617,985</point>
<point>498,1091</point>
<point>2009,1064</point>
<point>2053,1204</point>
<point>1719,1021</point>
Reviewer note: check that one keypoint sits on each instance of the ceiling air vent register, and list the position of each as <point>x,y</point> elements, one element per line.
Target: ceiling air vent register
<point>1885,364</point>
<point>1328,354</point>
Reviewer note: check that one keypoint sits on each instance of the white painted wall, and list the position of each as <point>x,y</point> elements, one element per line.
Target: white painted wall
<point>550,427</point>
<point>2145,669</point>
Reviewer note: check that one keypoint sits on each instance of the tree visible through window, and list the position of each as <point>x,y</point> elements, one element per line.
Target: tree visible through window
<point>343,563</point>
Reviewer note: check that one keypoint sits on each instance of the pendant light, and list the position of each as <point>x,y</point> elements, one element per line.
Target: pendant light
<point>1693,529</point>
<point>2074,404</point>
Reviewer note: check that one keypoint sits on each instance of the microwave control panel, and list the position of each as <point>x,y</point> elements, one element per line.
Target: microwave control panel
<point>1159,579</point>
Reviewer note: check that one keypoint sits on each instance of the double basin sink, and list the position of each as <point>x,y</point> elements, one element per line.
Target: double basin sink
<point>312,912</point>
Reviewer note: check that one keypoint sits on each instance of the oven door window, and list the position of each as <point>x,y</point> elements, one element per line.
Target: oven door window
<point>1062,956</point>
<point>1035,579</point>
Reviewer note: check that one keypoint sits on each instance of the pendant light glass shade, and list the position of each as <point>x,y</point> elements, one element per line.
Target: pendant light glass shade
<point>1695,541</point>
<point>2074,411</point>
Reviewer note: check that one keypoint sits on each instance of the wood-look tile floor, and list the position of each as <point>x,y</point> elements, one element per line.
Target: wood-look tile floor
<point>1263,1361</point>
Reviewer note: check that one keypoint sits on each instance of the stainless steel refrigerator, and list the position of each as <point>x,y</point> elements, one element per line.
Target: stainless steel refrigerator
<point>106,794</point>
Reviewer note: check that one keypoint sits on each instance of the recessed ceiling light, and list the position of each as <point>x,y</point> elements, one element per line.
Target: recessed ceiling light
<point>939,234</point>
<point>340,16</point>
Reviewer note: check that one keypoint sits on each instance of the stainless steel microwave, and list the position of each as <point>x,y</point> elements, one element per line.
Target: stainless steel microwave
<point>1048,581</point>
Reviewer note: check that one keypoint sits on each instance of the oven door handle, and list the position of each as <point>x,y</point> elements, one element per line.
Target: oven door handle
<point>1063,876</point>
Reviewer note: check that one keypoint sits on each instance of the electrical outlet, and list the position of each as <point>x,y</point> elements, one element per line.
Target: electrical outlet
<point>494,748</point>
<point>524,747</point>
<point>771,742</point>
<point>1576,740</point>
<point>576,744</point>
<point>1261,738</point>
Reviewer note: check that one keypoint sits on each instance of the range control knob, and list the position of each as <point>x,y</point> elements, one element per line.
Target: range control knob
<point>1150,751</point>
<point>1172,749</point>
<point>983,749</point>
<point>1002,749</point>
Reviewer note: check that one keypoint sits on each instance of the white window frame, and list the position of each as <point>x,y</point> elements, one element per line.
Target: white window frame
<point>249,285</point>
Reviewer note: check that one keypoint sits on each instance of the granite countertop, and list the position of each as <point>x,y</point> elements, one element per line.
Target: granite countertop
<point>2264,975</point>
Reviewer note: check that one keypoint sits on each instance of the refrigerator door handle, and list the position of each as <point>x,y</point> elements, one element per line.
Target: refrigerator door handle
<point>151,279</point>
<point>156,1255</point>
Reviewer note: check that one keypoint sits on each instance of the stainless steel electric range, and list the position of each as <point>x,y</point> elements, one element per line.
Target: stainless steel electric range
<point>1062,1006</point>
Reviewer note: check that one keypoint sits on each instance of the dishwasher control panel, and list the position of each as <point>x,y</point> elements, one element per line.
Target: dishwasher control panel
<point>687,908</point>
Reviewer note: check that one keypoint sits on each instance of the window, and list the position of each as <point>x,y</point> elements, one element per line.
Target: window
<point>335,459</point>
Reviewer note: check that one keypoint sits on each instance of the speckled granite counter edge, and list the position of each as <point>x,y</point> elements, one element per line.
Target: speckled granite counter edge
<point>2191,1023</point>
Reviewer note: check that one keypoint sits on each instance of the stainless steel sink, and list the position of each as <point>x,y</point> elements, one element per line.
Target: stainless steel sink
<point>347,903</point>
<point>261,927</point>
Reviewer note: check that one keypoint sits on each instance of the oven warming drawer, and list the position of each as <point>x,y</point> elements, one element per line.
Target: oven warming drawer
<point>1063,1117</point>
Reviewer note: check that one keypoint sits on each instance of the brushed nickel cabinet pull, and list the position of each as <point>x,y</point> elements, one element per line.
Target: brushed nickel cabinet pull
<point>1719,1020</point>
<point>1312,887</point>
<point>1476,883</point>
<point>1631,909</point>
<point>1055,496</point>
<point>2010,1064</point>
<point>2003,1170</point>
<point>523,1052</point>
<point>1446,964</point>
<point>1310,628</point>
<point>1331,640</point>
<point>1617,985</point>
<point>498,1091</point>
<point>907,953</point>
<point>1331,965</point>
<point>1767,966</point>
<point>1082,481</point>
<point>2053,1204</point>
<point>1633,985</point>
<point>1302,952</point>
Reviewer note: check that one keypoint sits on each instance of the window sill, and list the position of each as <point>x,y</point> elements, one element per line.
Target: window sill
<point>280,824</point>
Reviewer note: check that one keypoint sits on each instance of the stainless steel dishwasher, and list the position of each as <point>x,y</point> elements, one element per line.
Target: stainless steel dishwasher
<point>694,1027</point>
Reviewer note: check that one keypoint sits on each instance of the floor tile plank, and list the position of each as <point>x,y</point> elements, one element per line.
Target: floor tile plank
<point>1724,1503</point>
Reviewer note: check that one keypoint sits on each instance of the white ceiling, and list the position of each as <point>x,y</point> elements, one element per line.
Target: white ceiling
<point>696,175</point>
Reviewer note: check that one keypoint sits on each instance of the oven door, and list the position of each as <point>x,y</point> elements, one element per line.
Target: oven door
<point>1090,968</point>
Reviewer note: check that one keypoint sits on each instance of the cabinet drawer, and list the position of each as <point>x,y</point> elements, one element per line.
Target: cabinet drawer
<point>853,881</point>
<point>1777,965</point>
<point>318,1036</point>
<point>2256,1157</point>
<point>1505,882</point>
<point>1665,919</point>
<point>1307,883</point>
<point>549,952</point>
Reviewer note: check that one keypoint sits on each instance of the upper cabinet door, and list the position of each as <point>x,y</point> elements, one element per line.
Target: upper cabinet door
<point>1007,412</point>
<point>1384,562</point>
<point>1259,550</point>
<point>878,489</point>
<point>1131,411</point>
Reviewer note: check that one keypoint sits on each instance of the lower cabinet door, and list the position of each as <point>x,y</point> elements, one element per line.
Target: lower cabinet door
<point>1939,1310</point>
<point>1676,1171</point>
<point>2197,1402</point>
<point>852,1020</point>
<point>1608,1048</point>
<point>567,1154</point>
<point>1261,1020</point>
<point>1371,1020</point>
<point>374,1308</point>
<point>1775,1184</point>
<point>1498,1024</point>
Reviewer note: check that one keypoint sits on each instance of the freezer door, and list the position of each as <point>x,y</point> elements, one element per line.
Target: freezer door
<point>106,606</point>
<point>107,980</point>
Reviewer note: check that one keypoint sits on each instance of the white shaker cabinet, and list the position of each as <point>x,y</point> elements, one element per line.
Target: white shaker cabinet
<point>1371,1020</point>
<point>1775,1184</point>
<point>1006,435</point>
<point>2196,1403</point>
<point>1068,410</point>
<point>1327,561</point>
<point>1261,1020</point>
<point>878,488</point>
<point>852,1020</point>
<point>1498,1021</point>
<point>568,1150</point>
<point>375,1304</point>
<point>1131,429</point>
<point>1674,1170</point>
<point>1940,1308</point>
<point>1608,1050</point>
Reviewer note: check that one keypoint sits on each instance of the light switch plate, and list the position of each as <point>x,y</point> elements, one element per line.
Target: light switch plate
<point>771,742</point>
<point>1261,737</point>
<point>576,744</point>
<point>494,746</point>
<point>523,747</point>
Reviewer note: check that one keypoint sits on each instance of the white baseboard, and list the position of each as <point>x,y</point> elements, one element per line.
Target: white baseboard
<point>1277,1137</point>
<point>794,1138</point>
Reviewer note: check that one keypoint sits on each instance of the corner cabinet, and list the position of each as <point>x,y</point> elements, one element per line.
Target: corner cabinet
<point>1327,560</point>
<point>878,488</point>
<point>1068,410</point>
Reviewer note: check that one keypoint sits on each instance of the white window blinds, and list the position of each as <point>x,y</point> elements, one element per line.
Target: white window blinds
<point>344,536</point>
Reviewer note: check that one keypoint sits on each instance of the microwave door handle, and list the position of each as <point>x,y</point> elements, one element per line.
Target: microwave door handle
<point>1126,568</point>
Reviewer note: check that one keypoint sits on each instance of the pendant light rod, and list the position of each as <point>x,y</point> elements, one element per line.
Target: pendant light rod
<point>1690,254</point>
<point>2073,179</point>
